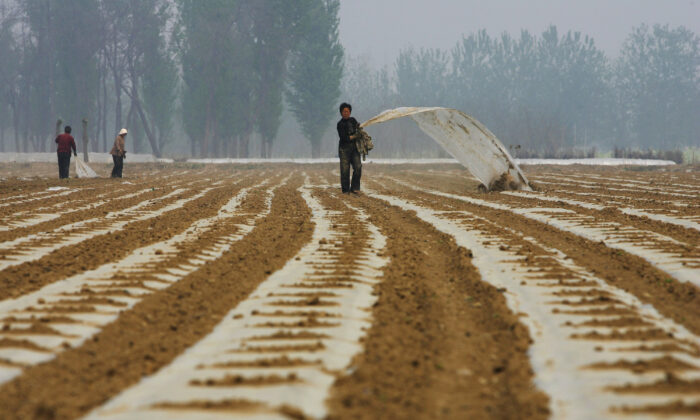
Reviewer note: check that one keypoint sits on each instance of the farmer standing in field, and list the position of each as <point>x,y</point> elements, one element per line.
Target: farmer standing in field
<point>118,154</point>
<point>66,142</point>
<point>347,151</point>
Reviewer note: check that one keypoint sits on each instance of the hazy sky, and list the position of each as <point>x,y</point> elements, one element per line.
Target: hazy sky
<point>380,28</point>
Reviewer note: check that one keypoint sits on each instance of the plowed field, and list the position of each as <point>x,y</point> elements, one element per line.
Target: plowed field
<point>261,292</point>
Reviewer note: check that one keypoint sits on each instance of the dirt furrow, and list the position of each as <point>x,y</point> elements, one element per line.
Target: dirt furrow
<point>459,181</point>
<point>443,344</point>
<point>545,285</point>
<point>14,240</point>
<point>108,245</point>
<point>59,195</point>
<point>278,352</point>
<point>18,189</point>
<point>137,200</point>
<point>85,199</point>
<point>11,206</point>
<point>105,292</point>
<point>659,214</point>
<point>600,193</point>
<point>679,260</point>
<point>35,246</point>
<point>162,325</point>
<point>632,191</point>
<point>651,180</point>
<point>677,300</point>
<point>47,222</point>
<point>574,301</point>
<point>681,228</point>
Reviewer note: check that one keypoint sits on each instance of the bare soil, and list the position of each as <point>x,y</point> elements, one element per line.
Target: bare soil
<point>442,342</point>
<point>161,326</point>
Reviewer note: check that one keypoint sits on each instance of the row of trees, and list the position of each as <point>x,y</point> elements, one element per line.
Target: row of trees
<point>549,93</point>
<point>217,69</point>
<point>224,73</point>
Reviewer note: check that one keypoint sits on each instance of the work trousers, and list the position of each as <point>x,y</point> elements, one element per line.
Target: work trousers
<point>118,166</point>
<point>63,164</point>
<point>349,156</point>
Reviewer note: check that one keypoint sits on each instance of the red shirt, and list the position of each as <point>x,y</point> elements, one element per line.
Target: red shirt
<point>65,143</point>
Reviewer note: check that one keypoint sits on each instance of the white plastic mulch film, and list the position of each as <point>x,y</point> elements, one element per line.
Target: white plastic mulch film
<point>466,139</point>
<point>83,170</point>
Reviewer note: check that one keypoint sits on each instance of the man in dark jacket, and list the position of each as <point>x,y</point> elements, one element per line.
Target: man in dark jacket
<point>347,151</point>
<point>66,142</point>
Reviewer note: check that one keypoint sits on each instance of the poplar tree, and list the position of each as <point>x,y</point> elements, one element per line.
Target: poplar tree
<point>315,71</point>
<point>277,26</point>
<point>658,81</point>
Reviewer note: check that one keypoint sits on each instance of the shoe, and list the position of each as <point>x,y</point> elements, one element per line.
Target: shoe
<point>356,192</point>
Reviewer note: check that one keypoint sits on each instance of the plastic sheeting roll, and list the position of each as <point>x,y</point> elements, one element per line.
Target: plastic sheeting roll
<point>83,170</point>
<point>467,140</point>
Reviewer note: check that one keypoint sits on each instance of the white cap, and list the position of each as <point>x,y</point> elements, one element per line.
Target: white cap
<point>122,131</point>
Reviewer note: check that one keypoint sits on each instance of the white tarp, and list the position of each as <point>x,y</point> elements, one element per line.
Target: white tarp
<point>83,170</point>
<point>466,139</point>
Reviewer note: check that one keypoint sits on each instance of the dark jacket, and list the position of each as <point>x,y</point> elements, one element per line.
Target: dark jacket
<point>65,143</point>
<point>346,128</point>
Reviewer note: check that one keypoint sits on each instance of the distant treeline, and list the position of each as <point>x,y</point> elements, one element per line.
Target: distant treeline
<point>219,70</point>
<point>225,74</point>
<point>553,95</point>
<point>674,155</point>
<point>592,152</point>
<point>561,153</point>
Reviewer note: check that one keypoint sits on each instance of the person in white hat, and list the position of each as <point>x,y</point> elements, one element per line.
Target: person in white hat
<point>118,154</point>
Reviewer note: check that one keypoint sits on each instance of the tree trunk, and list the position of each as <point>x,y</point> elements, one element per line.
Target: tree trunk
<point>49,54</point>
<point>36,143</point>
<point>100,99</point>
<point>268,149</point>
<point>57,131</point>
<point>233,147</point>
<point>244,143</point>
<point>204,145</point>
<point>161,139</point>
<point>214,149</point>
<point>25,140</point>
<point>215,152</point>
<point>118,106</point>
<point>315,148</point>
<point>104,112</point>
<point>129,123</point>
<point>146,127</point>
<point>98,125</point>
<point>85,140</point>
<point>15,126</point>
